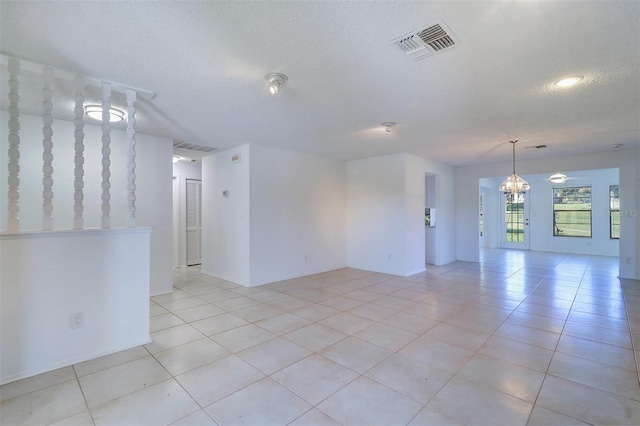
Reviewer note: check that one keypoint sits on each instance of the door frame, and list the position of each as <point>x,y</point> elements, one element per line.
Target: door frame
<point>526,227</point>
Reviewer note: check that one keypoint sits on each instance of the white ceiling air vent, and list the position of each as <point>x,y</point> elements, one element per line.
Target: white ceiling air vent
<point>427,40</point>
<point>184,145</point>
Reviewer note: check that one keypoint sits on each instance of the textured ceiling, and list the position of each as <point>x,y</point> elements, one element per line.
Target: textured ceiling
<point>206,62</point>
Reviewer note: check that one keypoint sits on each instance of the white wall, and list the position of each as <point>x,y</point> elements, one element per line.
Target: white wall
<point>376,214</point>
<point>298,211</point>
<point>284,217</point>
<point>153,185</point>
<point>385,214</point>
<point>182,170</point>
<point>45,277</point>
<point>626,160</point>
<point>226,220</point>
<point>445,230</point>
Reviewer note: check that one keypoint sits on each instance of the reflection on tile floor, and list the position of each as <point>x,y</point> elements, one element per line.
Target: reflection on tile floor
<point>519,338</point>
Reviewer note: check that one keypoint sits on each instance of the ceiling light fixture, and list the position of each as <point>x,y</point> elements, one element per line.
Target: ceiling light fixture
<point>569,81</point>
<point>176,158</point>
<point>514,183</point>
<point>95,112</point>
<point>275,80</point>
<point>387,126</point>
<point>558,178</point>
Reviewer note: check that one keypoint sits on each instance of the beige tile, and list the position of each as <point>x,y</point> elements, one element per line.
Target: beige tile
<point>81,419</point>
<point>164,321</point>
<point>199,312</point>
<point>542,417</point>
<point>155,309</point>
<point>603,335</point>
<point>525,355</point>
<point>162,403</point>
<point>474,404</point>
<point>429,416</point>
<point>347,323</point>
<point>218,296</point>
<point>283,323</point>
<point>386,336</point>
<point>554,325</point>
<point>474,322</point>
<point>438,354</point>
<point>43,406</point>
<point>395,303</point>
<point>34,383</point>
<point>265,403</point>
<point>457,336</point>
<point>199,418</point>
<point>533,336</point>
<point>314,417</point>
<point>409,322</point>
<point>257,312</point>
<point>372,312</point>
<point>606,377</point>
<point>355,354</point>
<point>108,361</point>
<point>315,312</point>
<point>438,313</point>
<point>243,337</point>
<point>218,324</point>
<point>172,337</point>
<point>273,355</point>
<point>107,385</point>
<point>314,378</point>
<point>191,355</point>
<point>214,381</point>
<point>343,303</point>
<point>289,303</point>
<point>596,351</point>
<point>237,303</point>
<point>504,376</point>
<point>181,304</point>
<point>315,337</point>
<point>413,379</point>
<point>175,295</point>
<point>587,404</point>
<point>364,401</point>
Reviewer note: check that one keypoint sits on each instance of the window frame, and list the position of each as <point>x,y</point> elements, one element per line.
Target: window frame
<point>612,210</point>
<point>556,229</point>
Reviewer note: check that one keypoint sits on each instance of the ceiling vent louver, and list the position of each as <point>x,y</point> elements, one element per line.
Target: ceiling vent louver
<point>184,145</point>
<point>427,40</point>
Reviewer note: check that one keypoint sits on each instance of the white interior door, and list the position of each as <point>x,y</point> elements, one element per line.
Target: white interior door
<point>515,212</point>
<point>194,221</point>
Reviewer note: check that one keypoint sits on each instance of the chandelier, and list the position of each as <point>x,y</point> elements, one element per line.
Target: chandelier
<point>514,183</point>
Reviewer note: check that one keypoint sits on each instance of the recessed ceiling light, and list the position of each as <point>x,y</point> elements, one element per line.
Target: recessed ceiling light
<point>387,126</point>
<point>276,80</point>
<point>569,81</point>
<point>176,158</point>
<point>558,178</point>
<point>95,112</point>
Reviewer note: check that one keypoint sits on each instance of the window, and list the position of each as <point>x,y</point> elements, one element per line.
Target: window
<point>614,211</point>
<point>572,212</point>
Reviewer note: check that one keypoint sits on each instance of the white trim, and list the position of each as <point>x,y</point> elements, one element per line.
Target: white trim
<point>73,233</point>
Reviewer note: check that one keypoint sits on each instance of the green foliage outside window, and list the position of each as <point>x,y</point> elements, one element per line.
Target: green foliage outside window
<point>572,212</point>
<point>614,211</point>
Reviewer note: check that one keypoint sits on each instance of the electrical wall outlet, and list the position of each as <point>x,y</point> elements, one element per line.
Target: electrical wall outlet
<point>627,260</point>
<point>77,320</point>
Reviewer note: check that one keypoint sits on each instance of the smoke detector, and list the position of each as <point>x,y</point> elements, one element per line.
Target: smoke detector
<point>427,41</point>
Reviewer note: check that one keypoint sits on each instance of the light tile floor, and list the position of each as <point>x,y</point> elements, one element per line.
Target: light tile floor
<point>519,338</point>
